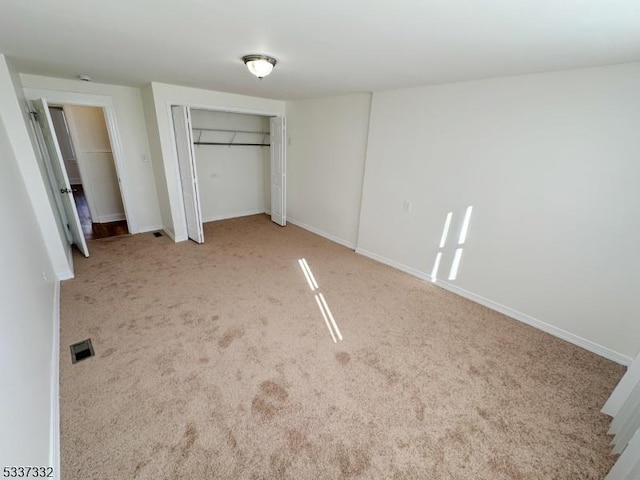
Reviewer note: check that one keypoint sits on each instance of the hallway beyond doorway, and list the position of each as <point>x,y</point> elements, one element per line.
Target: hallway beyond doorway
<point>94,231</point>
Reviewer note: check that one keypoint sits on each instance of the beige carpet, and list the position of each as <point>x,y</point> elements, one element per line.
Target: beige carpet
<point>214,362</point>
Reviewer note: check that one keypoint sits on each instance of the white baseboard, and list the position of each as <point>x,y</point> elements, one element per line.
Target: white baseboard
<point>64,275</point>
<point>539,324</point>
<point>224,216</point>
<point>67,273</point>
<point>149,228</point>
<point>113,217</point>
<point>169,233</point>
<point>326,235</point>
<point>509,312</point>
<point>393,263</point>
<point>54,440</point>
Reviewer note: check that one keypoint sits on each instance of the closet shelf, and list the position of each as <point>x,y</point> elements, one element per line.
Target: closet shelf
<point>231,143</point>
<point>234,144</point>
<point>228,131</point>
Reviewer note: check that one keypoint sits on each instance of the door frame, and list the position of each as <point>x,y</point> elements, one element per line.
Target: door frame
<point>105,102</point>
<point>174,156</point>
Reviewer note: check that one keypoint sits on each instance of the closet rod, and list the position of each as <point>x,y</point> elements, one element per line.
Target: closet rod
<point>230,131</point>
<point>234,144</point>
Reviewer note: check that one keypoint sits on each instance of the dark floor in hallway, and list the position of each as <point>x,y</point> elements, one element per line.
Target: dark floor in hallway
<point>93,231</point>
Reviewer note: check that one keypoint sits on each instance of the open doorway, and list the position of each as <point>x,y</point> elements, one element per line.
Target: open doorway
<point>53,169</point>
<point>82,136</point>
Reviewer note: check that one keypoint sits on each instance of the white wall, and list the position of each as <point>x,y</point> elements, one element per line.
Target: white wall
<point>15,113</point>
<point>95,159</point>
<point>549,163</point>
<point>325,164</point>
<point>139,183</point>
<point>155,149</point>
<point>27,301</point>
<point>158,98</point>
<point>231,180</point>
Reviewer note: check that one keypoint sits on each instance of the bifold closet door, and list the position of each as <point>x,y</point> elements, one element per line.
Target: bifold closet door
<point>278,171</point>
<point>188,172</point>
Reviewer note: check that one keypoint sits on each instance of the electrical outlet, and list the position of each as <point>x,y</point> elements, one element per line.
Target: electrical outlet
<point>407,206</point>
<point>44,276</point>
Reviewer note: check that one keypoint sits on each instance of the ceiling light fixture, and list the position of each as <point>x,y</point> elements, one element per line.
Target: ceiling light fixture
<point>259,65</point>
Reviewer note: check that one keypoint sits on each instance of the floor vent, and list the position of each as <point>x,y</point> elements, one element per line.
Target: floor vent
<point>157,234</point>
<point>81,350</point>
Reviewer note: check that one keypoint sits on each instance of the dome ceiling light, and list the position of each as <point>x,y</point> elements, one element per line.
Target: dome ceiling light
<point>259,65</point>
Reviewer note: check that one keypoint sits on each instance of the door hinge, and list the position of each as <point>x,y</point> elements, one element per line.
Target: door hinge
<point>34,115</point>
<point>65,190</point>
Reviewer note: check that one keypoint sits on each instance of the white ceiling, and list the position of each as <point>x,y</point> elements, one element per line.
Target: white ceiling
<point>323,47</point>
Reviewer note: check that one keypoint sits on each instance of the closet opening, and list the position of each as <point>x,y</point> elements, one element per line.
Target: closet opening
<point>230,164</point>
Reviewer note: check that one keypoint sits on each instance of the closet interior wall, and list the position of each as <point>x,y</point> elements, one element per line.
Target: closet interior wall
<point>94,156</point>
<point>233,180</point>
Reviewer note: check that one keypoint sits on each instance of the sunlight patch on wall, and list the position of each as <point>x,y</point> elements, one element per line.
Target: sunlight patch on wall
<point>453,273</point>
<point>462,238</point>
<point>465,225</point>
<point>436,267</point>
<point>445,230</point>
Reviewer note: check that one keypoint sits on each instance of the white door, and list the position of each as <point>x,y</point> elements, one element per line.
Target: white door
<point>52,156</point>
<point>61,128</point>
<point>278,170</point>
<point>188,172</point>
